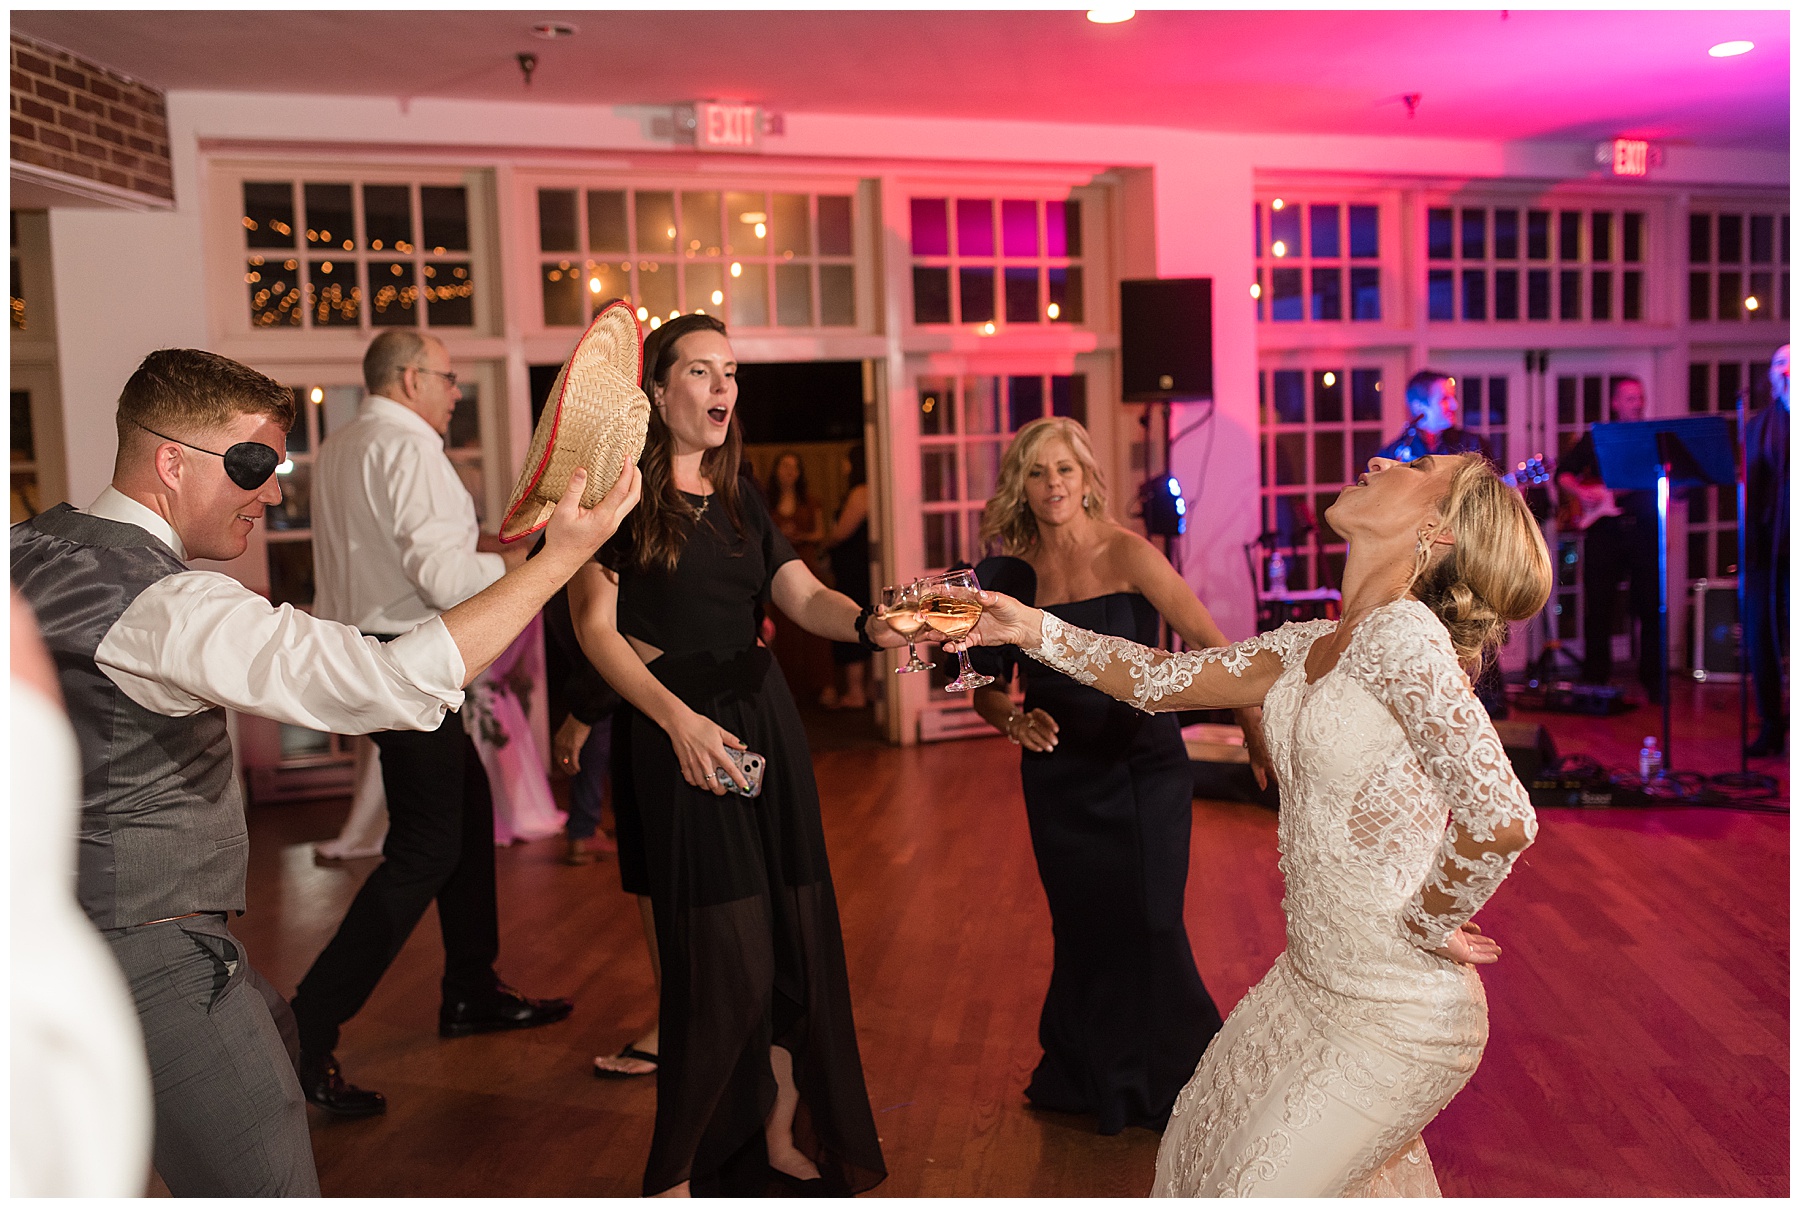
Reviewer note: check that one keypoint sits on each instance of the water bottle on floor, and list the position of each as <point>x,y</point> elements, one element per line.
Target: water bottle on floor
<point>1277,573</point>
<point>1650,759</point>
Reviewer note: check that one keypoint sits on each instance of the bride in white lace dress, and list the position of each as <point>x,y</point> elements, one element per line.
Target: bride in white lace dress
<point>1400,815</point>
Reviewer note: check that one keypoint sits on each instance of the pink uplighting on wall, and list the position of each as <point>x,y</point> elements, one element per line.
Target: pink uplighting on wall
<point>1574,76</point>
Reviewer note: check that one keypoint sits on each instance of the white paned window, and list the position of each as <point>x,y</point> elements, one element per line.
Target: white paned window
<point>1738,265</point>
<point>1321,423</point>
<point>756,258</point>
<point>997,262</point>
<point>334,251</point>
<point>1507,263</point>
<point>1318,259</point>
<point>965,424</point>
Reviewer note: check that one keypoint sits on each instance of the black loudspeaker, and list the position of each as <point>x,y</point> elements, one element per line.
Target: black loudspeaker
<point>1529,746</point>
<point>1165,339</point>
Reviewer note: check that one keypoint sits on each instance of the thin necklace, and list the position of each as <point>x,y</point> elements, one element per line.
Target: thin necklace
<point>699,509</point>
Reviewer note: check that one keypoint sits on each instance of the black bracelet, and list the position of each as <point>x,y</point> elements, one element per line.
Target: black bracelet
<point>862,635</point>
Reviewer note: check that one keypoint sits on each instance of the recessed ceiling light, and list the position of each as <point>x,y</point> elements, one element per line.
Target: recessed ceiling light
<point>1110,15</point>
<point>550,31</point>
<point>1726,50</point>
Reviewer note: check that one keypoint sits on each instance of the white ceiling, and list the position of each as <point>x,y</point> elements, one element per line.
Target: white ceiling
<point>1524,74</point>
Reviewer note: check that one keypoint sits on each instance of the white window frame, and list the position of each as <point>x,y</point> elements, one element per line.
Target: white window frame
<point>528,258</point>
<point>1651,263</point>
<point>1312,363</point>
<point>1745,326</point>
<point>226,253</point>
<point>1390,262</point>
<point>952,262</point>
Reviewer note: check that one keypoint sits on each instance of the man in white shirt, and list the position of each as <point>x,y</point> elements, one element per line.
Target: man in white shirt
<point>149,655</point>
<point>395,542</point>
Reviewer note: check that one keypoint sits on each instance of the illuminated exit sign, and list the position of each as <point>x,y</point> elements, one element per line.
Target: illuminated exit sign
<point>720,126</point>
<point>1628,156</point>
<point>1631,157</point>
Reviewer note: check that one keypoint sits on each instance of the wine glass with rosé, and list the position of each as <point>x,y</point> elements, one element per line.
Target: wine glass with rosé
<point>900,609</point>
<point>951,604</point>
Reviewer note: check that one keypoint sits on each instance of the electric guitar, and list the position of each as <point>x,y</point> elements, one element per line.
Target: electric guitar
<point>1581,507</point>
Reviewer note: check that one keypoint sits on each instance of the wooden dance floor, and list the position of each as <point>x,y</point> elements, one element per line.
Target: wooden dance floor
<point>1639,1014</point>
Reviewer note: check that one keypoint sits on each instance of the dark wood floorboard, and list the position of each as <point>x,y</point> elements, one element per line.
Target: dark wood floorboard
<point>1639,1015</point>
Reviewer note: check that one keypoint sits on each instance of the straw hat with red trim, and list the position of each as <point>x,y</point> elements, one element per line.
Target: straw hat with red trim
<point>596,418</point>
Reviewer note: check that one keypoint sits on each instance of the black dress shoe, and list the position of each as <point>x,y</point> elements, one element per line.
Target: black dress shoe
<point>326,1090</point>
<point>500,1009</point>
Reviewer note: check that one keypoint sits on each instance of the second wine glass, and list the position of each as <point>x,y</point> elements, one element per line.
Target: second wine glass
<point>900,609</point>
<point>951,604</point>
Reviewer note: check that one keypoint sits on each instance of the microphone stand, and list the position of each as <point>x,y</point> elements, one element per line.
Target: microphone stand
<point>1743,579</point>
<point>1665,456</point>
<point>1743,778</point>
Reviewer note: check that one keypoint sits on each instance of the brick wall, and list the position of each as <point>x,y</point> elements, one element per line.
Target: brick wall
<point>80,119</point>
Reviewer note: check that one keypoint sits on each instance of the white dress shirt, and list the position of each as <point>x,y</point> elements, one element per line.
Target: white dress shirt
<point>76,1040</point>
<point>199,639</point>
<point>394,529</point>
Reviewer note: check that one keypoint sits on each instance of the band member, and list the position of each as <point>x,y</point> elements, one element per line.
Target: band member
<point>1766,556</point>
<point>1431,398</point>
<point>1619,542</point>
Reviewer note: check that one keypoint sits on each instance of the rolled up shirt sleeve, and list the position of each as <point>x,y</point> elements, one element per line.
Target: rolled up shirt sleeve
<point>199,639</point>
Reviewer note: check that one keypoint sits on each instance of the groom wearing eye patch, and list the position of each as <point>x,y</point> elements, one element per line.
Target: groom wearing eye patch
<point>149,654</point>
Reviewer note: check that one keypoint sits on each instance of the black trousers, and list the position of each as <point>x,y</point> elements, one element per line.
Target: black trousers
<point>1617,548</point>
<point>1765,623</point>
<point>440,845</point>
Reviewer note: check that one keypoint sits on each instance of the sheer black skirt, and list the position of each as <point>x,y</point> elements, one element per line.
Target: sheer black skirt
<point>752,953</point>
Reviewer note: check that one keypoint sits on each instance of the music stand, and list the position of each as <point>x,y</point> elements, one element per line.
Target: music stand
<point>1663,455</point>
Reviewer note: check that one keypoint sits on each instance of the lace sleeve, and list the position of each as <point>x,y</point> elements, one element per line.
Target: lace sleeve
<point>1406,660</point>
<point>1222,677</point>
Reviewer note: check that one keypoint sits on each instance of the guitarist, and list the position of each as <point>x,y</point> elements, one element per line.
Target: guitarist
<point>1619,542</point>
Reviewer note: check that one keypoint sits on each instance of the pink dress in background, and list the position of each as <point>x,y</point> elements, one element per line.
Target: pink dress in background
<point>523,807</point>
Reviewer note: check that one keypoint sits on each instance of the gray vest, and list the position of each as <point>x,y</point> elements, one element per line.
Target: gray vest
<point>162,821</point>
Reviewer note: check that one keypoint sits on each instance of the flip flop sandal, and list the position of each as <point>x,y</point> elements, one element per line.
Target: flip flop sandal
<point>634,1054</point>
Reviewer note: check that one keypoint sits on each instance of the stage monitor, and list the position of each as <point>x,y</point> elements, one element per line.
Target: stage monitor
<point>1165,339</point>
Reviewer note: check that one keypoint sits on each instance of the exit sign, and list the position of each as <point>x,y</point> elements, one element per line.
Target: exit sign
<point>1631,157</point>
<point>1628,156</point>
<point>720,126</point>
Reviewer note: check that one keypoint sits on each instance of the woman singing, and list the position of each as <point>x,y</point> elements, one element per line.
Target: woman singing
<point>1108,791</point>
<point>1400,816</point>
<point>759,1084</point>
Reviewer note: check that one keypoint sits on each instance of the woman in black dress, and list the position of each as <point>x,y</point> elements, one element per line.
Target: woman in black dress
<point>1108,791</point>
<point>759,1084</point>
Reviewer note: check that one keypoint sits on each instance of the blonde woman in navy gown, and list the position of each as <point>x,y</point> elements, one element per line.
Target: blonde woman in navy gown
<point>1108,791</point>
